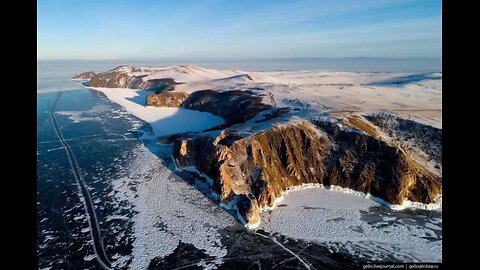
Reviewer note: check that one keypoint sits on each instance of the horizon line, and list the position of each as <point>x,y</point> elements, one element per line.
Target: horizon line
<point>242,59</point>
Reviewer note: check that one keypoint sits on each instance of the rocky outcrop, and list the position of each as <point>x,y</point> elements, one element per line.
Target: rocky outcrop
<point>166,99</point>
<point>423,141</point>
<point>365,163</point>
<point>234,106</point>
<point>128,77</point>
<point>253,171</point>
<point>123,80</point>
<point>84,76</point>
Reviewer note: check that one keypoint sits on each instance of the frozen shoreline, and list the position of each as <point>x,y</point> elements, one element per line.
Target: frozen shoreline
<point>437,205</point>
<point>231,206</point>
<point>362,226</point>
<point>164,121</point>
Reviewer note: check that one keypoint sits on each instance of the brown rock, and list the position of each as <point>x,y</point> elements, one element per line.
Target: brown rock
<point>122,77</point>
<point>259,167</point>
<point>166,99</point>
<point>234,106</point>
<point>84,76</point>
<point>248,209</point>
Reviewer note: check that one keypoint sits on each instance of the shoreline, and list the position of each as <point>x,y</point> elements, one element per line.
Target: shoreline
<point>231,205</point>
<point>406,205</point>
<point>164,121</point>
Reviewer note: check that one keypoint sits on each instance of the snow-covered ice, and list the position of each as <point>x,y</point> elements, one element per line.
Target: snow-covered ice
<point>164,121</point>
<point>355,222</point>
<point>168,210</point>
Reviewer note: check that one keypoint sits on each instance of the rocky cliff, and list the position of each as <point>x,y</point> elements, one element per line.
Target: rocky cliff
<point>129,77</point>
<point>234,106</point>
<point>251,172</point>
<point>166,99</point>
<point>84,76</point>
<point>423,141</point>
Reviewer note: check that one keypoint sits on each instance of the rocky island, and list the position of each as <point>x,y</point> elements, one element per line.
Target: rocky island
<point>378,134</point>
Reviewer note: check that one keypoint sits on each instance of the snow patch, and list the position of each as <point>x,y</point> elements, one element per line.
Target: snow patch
<point>89,257</point>
<point>76,116</point>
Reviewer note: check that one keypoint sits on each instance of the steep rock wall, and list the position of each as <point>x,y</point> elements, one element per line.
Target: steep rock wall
<point>84,75</point>
<point>253,171</point>
<point>124,80</point>
<point>166,99</point>
<point>234,106</point>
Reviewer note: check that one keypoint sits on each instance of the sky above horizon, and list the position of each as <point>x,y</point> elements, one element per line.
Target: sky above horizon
<point>222,29</point>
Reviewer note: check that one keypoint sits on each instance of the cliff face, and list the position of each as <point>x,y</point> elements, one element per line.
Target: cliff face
<point>253,171</point>
<point>234,106</point>
<point>124,80</point>
<point>127,77</point>
<point>166,99</point>
<point>84,76</point>
<point>365,163</point>
<point>423,141</point>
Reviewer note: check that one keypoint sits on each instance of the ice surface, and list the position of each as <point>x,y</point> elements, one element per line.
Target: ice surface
<point>345,219</point>
<point>77,116</point>
<point>168,210</point>
<point>164,121</point>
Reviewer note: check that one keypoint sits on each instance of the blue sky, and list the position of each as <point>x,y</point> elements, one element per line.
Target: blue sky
<point>224,29</point>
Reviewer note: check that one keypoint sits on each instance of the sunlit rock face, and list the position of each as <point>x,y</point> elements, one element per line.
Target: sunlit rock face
<point>255,170</point>
<point>84,75</point>
<point>166,99</point>
<point>130,77</point>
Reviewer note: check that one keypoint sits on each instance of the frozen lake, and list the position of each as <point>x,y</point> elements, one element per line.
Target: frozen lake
<point>358,224</point>
<point>151,216</point>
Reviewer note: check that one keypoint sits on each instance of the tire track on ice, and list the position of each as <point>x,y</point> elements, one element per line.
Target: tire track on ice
<point>95,233</point>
